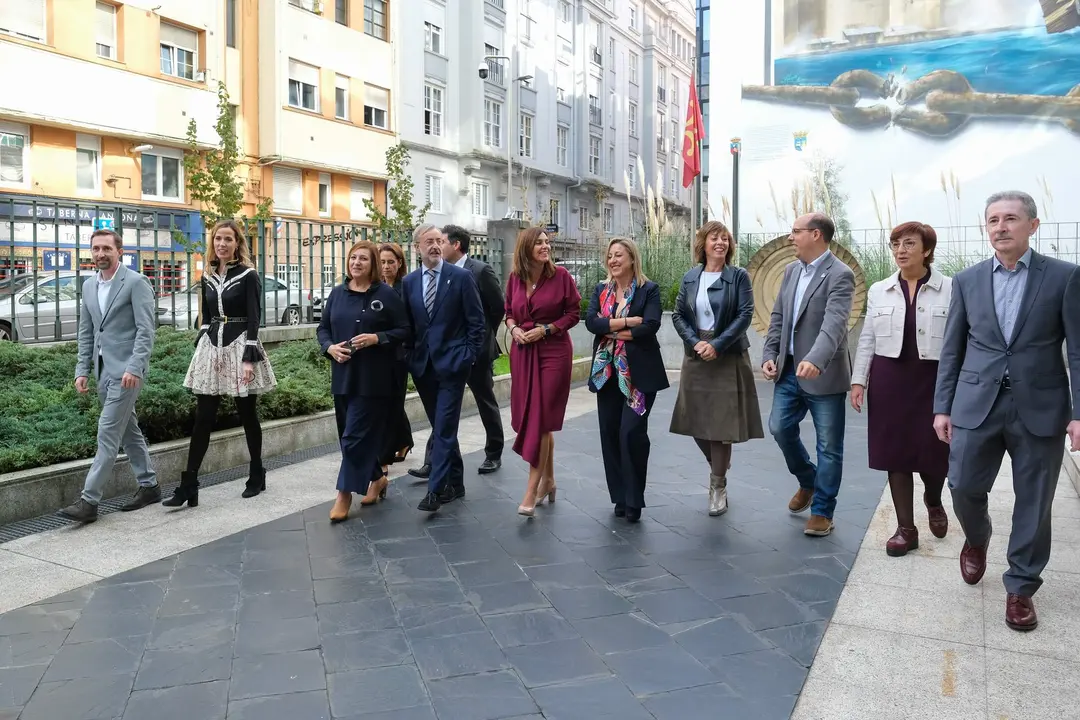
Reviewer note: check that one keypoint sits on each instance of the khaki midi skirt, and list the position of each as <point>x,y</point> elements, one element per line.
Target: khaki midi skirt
<point>718,400</point>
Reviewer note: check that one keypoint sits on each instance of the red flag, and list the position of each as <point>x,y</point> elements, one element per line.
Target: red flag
<point>693,134</point>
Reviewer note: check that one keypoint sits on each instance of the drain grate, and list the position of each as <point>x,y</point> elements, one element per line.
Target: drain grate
<point>33,526</point>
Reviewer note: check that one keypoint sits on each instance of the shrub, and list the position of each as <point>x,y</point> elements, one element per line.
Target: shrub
<point>45,421</point>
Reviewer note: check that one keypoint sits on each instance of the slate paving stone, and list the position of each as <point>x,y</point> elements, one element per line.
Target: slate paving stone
<point>472,614</point>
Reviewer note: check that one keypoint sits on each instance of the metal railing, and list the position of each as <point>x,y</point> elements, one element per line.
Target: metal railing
<point>45,259</point>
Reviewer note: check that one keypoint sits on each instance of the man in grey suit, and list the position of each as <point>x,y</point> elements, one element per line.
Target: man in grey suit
<point>116,337</point>
<point>1002,386</point>
<point>806,352</point>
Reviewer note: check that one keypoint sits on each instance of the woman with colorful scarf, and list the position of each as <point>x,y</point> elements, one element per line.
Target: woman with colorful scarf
<point>717,403</point>
<point>627,372</point>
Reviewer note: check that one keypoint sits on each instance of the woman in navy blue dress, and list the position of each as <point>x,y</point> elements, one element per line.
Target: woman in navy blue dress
<point>363,323</point>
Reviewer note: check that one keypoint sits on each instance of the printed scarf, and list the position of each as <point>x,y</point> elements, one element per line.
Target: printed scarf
<point>611,354</point>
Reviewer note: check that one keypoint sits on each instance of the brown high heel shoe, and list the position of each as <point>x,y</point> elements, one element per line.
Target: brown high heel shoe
<point>340,511</point>
<point>376,491</point>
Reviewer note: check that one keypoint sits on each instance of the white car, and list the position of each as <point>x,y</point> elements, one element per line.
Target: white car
<point>43,310</point>
<point>282,305</point>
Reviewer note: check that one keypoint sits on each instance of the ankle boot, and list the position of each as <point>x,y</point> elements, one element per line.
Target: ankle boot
<point>187,492</point>
<point>902,542</point>
<point>717,495</point>
<point>256,481</point>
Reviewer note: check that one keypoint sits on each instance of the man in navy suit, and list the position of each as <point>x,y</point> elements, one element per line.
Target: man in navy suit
<point>447,316</point>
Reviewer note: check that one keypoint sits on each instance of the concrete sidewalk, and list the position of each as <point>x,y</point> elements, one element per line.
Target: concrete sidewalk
<point>910,639</point>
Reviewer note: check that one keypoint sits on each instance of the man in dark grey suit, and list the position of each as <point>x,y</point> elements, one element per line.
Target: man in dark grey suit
<point>1002,386</point>
<point>116,336</point>
<point>806,352</point>
<point>455,250</point>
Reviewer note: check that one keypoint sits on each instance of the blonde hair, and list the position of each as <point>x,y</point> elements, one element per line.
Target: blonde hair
<point>243,251</point>
<point>523,260</point>
<point>635,258</point>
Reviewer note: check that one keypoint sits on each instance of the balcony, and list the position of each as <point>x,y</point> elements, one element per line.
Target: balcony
<point>596,112</point>
<point>495,73</point>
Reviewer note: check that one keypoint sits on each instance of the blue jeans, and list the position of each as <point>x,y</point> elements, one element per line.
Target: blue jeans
<point>790,404</point>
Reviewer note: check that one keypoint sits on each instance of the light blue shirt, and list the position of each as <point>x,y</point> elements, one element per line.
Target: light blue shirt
<point>807,274</point>
<point>1009,286</point>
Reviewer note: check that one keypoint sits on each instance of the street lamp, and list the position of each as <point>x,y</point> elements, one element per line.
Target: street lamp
<point>511,116</point>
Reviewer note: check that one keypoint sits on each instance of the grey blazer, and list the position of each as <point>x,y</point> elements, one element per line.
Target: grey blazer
<point>820,325</point>
<point>124,337</point>
<point>974,355</point>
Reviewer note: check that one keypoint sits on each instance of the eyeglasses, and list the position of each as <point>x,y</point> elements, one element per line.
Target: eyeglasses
<point>906,244</point>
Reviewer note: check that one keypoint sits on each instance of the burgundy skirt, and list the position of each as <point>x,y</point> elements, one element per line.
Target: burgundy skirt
<point>900,417</point>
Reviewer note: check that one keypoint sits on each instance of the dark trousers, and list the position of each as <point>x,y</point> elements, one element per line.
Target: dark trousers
<point>482,383</point>
<point>341,413</point>
<point>624,442</point>
<point>206,407</point>
<point>442,405</point>
<point>975,456</point>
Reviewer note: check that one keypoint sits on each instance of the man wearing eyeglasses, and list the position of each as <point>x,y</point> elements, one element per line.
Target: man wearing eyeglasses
<point>806,353</point>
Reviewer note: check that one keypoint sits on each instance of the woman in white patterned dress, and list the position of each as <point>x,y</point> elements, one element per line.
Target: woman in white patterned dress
<point>229,359</point>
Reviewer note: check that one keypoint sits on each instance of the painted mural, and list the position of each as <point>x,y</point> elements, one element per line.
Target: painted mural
<point>890,110</point>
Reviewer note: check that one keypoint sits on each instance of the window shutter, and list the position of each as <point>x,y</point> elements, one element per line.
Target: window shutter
<point>106,24</point>
<point>360,190</point>
<point>377,97</point>
<point>288,190</point>
<point>24,18</point>
<point>304,73</point>
<point>179,37</point>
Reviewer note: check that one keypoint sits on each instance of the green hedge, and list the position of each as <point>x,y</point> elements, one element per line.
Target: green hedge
<point>45,421</point>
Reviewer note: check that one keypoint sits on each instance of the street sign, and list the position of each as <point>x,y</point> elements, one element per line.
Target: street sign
<point>551,228</point>
<point>104,223</point>
<point>56,260</point>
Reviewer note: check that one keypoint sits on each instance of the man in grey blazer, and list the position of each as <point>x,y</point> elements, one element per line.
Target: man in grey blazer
<point>116,336</point>
<point>1002,386</point>
<point>806,352</point>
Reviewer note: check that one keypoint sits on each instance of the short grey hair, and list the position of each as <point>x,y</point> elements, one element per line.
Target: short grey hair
<point>423,230</point>
<point>1026,200</point>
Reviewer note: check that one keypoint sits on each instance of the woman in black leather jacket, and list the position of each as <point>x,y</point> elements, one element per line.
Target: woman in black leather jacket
<point>717,403</point>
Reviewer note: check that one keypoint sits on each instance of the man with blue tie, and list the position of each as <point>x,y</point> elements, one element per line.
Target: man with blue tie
<point>447,316</point>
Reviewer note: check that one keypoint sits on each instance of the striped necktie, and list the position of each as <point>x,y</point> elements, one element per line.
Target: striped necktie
<point>429,292</point>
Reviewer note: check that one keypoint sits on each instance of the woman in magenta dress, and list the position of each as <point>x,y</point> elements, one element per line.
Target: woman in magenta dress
<point>542,304</point>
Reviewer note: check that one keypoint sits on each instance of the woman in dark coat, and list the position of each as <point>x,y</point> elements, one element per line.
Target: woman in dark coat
<point>627,372</point>
<point>362,325</point>
<point>717,403</point>
<point>399,439</point>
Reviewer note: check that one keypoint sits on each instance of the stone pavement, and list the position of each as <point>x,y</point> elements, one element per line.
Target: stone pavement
<point>473,614</point>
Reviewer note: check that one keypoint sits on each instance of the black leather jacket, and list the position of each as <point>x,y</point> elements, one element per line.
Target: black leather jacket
<point>732,300</point>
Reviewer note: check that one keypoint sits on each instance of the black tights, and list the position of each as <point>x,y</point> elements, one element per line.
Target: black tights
<point>206,414</point>
<point>902,487</point>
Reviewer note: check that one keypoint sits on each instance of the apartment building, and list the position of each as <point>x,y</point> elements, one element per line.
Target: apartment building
<point>95,108</point>
<point>580,104</point>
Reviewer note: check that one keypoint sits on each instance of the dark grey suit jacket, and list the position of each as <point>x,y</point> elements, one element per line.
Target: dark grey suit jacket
<point>820,325</point>
<point>975,355</point>
<point>491,296</point>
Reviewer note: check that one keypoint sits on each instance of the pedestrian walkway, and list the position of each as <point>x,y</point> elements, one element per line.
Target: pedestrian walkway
<point>262,609</point>
<point>911,640</point>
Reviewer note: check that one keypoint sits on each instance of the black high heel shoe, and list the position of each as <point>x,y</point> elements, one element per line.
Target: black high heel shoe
<point>188,492</point>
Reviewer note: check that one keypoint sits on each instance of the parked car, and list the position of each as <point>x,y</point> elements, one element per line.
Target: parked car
<point>282,305</point>
<point>317,299</point>
<point>43,307</point>
<point>16,282</point>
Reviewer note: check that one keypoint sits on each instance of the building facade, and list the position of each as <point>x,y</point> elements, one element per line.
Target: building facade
<point>584,101</point>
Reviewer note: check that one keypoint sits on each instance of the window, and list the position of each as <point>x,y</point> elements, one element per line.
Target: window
<point>611,51</point>
<point>23,18</point>
<point>230,23</point>
<point>661,121</point>
<point>433,110</point>
<point>288,190</point>
<point>609,218</point>
<point>525,135</point>
<point>324,194</point>
<point>106,31</point>
<point>433,38</point>
<point>14,154</point>
<point>179,51</point>
<point>481,192</point>
<point>492,123</point>
<point>309,5</point>
<point>341,12</point>
<point>288,278</point>
<point>341,97</point>
<point>633,59</point>
<point>596,112</point>
<point>560,96</point>
<point>611,162</point>
<point>562,139</point>
<point>633,119</point>
<point>329,275</point>
<point>674,90</point>
<point>631,174</point>
<point>162,174</point>
<point>360,191</point>
<point>661,83</point>
<point>565,11</point>
<point>633,16</point>
<point>554,211</point>
<point>303,86</point>
<point>495,70</point>
<point>375,18</point>
<point>674,177</point>
<point>88,163</point>
<point>433,186</point>
<point>582,217</point>
<point>594,155</point>
<point>674,135</point>
<point>377,107</point>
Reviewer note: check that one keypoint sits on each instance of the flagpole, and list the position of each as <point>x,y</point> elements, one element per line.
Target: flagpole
<point>736,152</point>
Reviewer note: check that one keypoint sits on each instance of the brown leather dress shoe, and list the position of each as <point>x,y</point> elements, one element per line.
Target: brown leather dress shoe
<point>818,526</point>
<point>800,500</point>
<point>1020,613</point>
<point>939,520</point>
<point>903,541</point>
<point>972,563</point>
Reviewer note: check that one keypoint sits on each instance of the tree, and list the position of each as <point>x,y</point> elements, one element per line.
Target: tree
<point>403,215</point>
<point>211,174</point>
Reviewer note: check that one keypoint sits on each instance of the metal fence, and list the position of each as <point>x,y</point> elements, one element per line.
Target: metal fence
<point>45,259</point>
